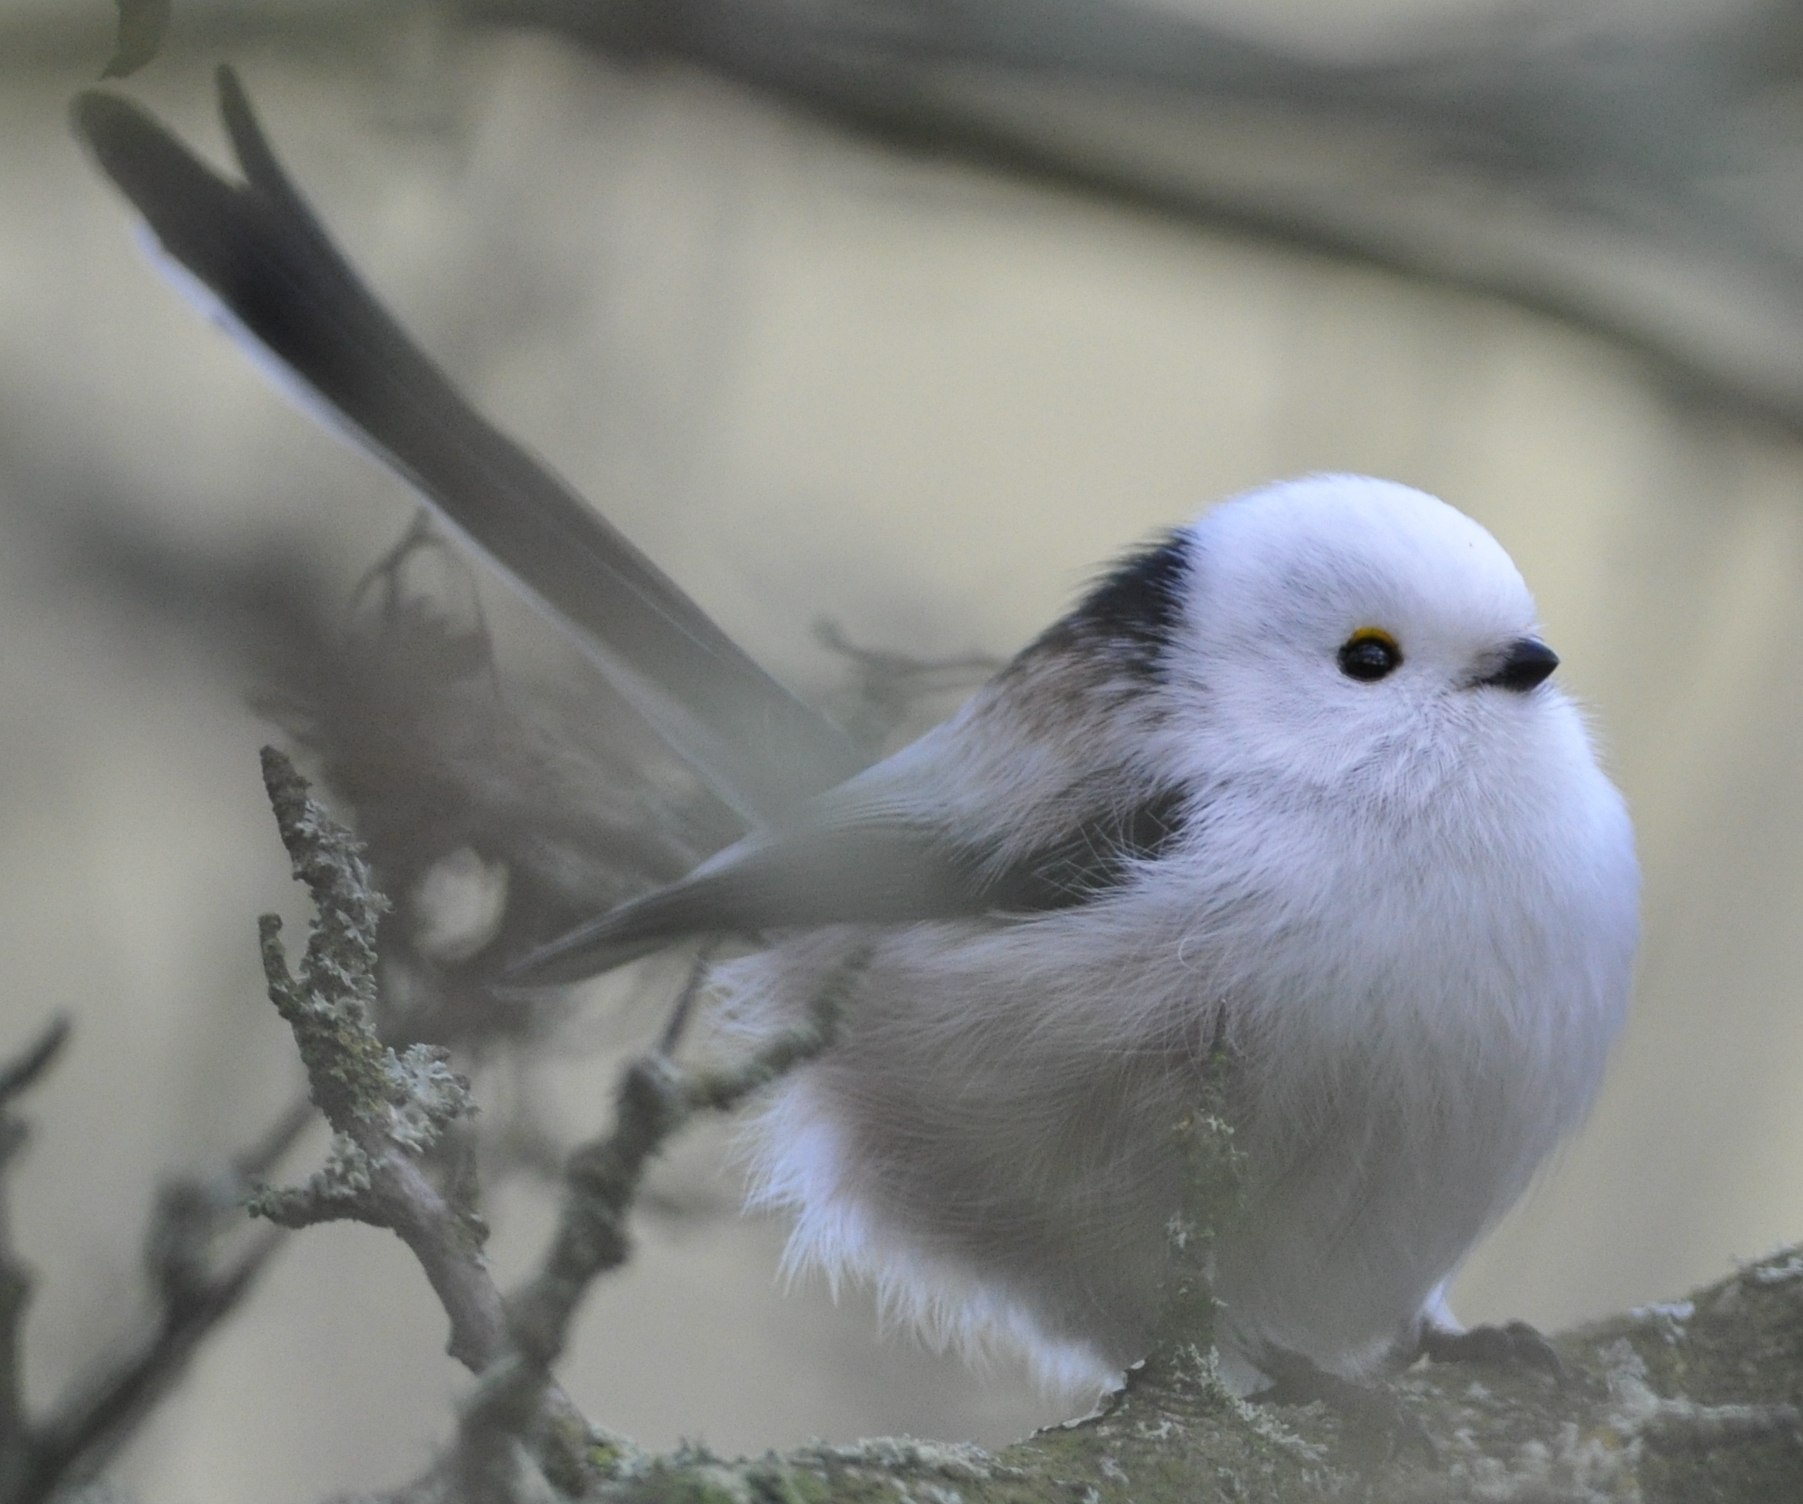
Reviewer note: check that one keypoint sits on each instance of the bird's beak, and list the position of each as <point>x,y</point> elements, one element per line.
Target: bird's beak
<point>1524,664</point>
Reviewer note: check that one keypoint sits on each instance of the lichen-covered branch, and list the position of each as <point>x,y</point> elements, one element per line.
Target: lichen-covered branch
<point>1667,1405</point>
<point>387,1108</point>
<point>394,1116</point>
<point>396,1161</point>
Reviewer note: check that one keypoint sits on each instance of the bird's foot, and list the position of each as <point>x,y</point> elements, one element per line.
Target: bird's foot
<point>1374,1418</point>
<point>1512,1345</point>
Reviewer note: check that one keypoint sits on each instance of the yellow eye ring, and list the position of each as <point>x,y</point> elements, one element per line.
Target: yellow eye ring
<point>1369,654</point>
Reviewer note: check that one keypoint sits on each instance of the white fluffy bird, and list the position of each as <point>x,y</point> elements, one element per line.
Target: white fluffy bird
<point>1290,785</point>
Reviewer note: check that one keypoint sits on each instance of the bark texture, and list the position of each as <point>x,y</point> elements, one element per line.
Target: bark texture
<point>1671,1404</point>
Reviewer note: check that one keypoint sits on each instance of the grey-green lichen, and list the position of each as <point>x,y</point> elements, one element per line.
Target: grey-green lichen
<point>328,1004</point>
<point>339,1189</point>
<point>426,1096</point>
<point>373,1097</point>
<point>1641,1421</point>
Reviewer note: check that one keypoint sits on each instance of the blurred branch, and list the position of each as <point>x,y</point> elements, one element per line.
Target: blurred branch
<point>448,767</point>
<point>1633,184</point>
<point>20,1074</point>
<point>561,786</point>
<point>194,1295</point>
<point>16,1077</point>
<point>887,686</point>
<point>86,1427</point>
<point>1632,177</point>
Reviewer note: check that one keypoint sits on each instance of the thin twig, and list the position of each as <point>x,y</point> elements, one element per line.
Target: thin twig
<point>16,1077</point>
<point>101,1410</point>
<point>654,1100</point>
<point>86,1429</point>
<point>683,1009</point>
<point>21,1072</point>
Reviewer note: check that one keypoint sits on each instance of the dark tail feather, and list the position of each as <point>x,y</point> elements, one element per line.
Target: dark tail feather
<point>612,940</point>
<point>262,253</point>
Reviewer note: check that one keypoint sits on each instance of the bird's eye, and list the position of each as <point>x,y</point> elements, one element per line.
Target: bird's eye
<point>1369,654</point>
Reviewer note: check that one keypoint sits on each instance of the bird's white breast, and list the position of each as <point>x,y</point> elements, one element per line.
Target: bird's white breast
<point>1418,997</point>
<point>1424,1010</point>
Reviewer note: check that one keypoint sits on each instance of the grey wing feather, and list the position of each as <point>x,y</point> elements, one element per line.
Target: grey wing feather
<point>257,247</point>
<point>846,867</point>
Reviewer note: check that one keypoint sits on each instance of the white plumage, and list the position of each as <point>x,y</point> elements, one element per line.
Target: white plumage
<point>1408,906</point>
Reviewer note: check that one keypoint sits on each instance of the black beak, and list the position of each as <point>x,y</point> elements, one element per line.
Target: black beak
<point>1527,663</point>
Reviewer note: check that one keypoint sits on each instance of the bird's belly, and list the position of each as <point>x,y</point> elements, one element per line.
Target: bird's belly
<point>1408,1058</point>
<point>990,1140</point>
<point>1355,1215</point>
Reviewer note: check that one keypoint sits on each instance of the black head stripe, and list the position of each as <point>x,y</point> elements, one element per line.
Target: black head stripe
<point>1135,611</point>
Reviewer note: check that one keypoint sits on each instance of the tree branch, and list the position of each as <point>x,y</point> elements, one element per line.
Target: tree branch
<point>1595,176</point>
<point>17,1076</point>
<point>81,1432</point>
<point>392,1113</point>
<point>1668,1405</point>
<point>88,1426</point>
<point>386,1109</point>
<point>654,1101</point>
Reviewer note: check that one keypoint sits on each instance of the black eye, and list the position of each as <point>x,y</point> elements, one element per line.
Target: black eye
<point>1369,654</point>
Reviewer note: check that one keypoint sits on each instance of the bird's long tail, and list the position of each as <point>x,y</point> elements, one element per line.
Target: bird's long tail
<point>261,255</point>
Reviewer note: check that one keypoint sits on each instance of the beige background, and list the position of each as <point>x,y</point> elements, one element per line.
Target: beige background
<point>810,379</point>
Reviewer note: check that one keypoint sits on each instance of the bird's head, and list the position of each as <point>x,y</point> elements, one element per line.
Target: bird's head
<point>1340,626</point>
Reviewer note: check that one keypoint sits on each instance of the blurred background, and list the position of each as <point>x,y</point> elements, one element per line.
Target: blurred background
<point>904,315</point>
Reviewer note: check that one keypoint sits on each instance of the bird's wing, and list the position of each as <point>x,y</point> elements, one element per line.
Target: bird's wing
<point>842,865</point>
<point>258,250</point>
<point>1014,808</point>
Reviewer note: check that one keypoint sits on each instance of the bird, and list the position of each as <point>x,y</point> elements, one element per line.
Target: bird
<point>1290,791</point>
